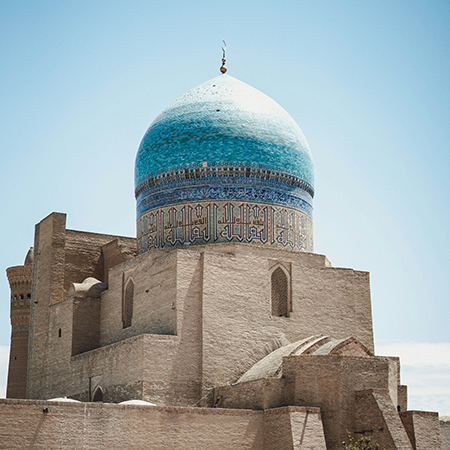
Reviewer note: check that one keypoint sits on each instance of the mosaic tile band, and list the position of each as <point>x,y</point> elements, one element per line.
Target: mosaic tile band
<point>216,222</point>
<point>269,175</point>
<point>224,182</point>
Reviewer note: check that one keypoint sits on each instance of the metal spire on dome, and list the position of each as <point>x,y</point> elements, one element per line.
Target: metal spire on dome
<point>223,69</point>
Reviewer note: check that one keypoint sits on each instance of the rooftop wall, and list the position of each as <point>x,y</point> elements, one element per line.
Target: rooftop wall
<point>43,425</point>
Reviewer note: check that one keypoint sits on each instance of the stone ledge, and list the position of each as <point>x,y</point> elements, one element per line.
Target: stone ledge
<point>163,409</point>
<point>128,341</point>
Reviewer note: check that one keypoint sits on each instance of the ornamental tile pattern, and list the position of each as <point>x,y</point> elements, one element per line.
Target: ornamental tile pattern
<point>224,183</point>
<point>224,163</point>
<point>224,221</point>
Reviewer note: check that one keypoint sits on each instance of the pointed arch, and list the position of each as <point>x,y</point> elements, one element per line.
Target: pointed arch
<point>98,395</point>
<point>280,292</point>
<point>127,303</point>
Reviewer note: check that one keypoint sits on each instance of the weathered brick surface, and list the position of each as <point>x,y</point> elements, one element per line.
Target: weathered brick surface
<point>202,316</point>
<point>49,287</point>
<point>330,382</point>
<point>85,324</point>
<point>154,312</point>
<point>402,400</point>
<point>116,252</point>
<point>216,299</point>
<point>238,327</point>
<point>445,432</point>
<point>295,428</point>
<point>17,371</point>
<point>20,280</point>
<point>148,360</point>
<point>377,418</point>
<point>62,257</point>
<point>423,429</point>
<point>264,393</point>
<point>23,424</point>
<point>307,430</point>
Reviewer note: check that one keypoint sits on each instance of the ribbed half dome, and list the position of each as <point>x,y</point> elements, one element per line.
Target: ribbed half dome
<point>224,120</point>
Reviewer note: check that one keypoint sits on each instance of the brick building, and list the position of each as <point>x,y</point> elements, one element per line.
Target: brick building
<point>217,327</point>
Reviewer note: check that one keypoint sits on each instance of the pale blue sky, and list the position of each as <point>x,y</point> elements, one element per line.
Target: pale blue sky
<point>368,83</point>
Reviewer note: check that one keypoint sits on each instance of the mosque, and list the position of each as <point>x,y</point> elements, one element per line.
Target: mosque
<point>218,327</point>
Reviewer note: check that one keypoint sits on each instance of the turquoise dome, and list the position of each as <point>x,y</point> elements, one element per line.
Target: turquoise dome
<point>224,163</point>
<point>224,121</point>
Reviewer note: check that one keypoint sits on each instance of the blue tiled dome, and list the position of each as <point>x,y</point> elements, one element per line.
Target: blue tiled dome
<point>224,120</point>
<point>224,163</point>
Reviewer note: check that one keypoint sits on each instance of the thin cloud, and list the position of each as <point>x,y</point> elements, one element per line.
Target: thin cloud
<point>417,354</point>
<point>425,369</point>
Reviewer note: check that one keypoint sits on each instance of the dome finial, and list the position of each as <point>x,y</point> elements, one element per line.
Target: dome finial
<point>223,69</point>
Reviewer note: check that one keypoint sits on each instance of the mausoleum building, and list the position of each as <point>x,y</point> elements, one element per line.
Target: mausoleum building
<point>217,326</point>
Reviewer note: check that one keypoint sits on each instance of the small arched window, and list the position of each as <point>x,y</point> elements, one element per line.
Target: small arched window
<point>98,395</point>
<point>127,304</point>
<point>280,293</point>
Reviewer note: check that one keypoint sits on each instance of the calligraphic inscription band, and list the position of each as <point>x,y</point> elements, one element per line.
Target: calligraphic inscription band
<point>224,221</point>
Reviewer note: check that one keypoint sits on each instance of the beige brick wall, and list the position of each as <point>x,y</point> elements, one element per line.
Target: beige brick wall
<point>138,367</point>
<point>377,418</point>
<point>294,428</point>
<point>18,360</point>
<point>215,299</point>
<point>238,328</point>
<point>330,382</point>
<point>402,399</point>
<point>264,393</point>
<point>23,424</point>
<point>154,277</point>
<point>62,257</point>
<point>49,281</point>
<point>423,429</point>
<point>201,318</point>
<point>85,324</point>
<point>116,252</point>
<point>445,433</point>
<point>20,279</point>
